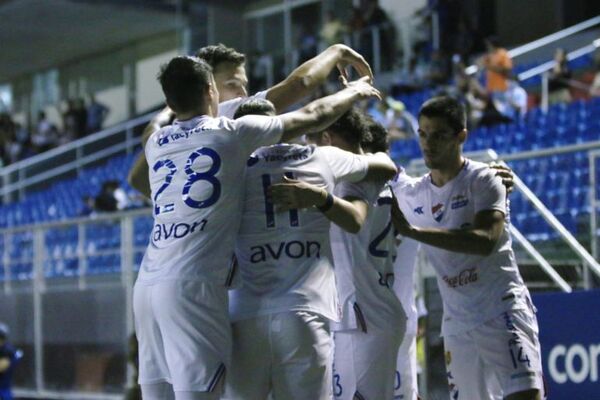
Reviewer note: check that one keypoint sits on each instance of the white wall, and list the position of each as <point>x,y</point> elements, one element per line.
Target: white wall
<point>149,93</point>
<point>116,98</point>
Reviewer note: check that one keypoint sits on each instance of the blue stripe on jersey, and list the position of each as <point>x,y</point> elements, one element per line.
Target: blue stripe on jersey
<point>293,212</point>
<point>269,209</point>
<point>217,376</point>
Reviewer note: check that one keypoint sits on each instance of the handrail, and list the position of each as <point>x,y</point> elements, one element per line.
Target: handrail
<point>543,41</point>
<point>550,151</point>
<point>78,143</point>
<point>540,69</point>
<point>101,217</point>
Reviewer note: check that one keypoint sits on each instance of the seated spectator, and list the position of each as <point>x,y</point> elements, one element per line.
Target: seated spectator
<point>45,135</point>
<point>498,66</point>
<point>595,88</point>
<point>392,114</point>
<point>558,81</point>
<point>111,198</point>
<point>87,207</point>
<point>96,114</point>
<point>513,103</point>
<point>333,30</point>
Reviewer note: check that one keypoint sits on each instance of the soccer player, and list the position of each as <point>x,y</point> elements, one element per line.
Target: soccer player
<point>180,297</point>
<point>9,358</point>
<point>281,313</point>
<point>458,212</point>
<point>367,341</point>
<point>231,81</point>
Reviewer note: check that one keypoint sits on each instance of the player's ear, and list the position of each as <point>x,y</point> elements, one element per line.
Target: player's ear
<point>325,139</point>
<point>462,136</point>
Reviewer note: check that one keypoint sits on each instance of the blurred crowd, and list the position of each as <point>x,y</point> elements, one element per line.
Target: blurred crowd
<point>79,119</point>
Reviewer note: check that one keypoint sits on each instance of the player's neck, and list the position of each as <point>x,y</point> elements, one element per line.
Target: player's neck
<point>184,116</point>
<point>443,175</point>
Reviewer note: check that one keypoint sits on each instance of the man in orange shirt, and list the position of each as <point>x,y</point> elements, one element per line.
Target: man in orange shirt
<point>498,65</point>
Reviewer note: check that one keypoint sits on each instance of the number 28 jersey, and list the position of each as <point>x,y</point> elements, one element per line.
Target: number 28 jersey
<point>195,170</point>
<point>285,257</point>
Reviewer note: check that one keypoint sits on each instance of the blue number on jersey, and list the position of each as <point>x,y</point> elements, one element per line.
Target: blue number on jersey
<point>208,176</point>
<point>193,177</point>
<point>373,250</point>
<point>168,178</point>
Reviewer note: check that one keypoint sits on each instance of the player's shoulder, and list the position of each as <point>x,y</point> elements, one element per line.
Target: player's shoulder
<point>476,170</point>
<point>404,182</point>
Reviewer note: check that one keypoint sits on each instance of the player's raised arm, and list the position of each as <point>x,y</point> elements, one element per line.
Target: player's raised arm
<point>138,174</point>
<point>321,113</point>
<point>381,168</point>
<point>311,74</point>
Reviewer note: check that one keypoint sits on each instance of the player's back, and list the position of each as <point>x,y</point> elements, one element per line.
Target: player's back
<point>369,260</point>
<point>285,257</point>
<point>195,169</point>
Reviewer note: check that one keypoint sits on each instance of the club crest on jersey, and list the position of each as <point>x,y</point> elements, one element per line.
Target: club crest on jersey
<point>438,212</point>
<point>418,210</point>
<point>458,202</point>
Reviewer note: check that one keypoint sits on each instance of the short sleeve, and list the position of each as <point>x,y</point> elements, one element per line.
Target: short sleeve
<point>229,107</point>
<point>255,131</point>
<point>345,166</point>
<point>488,192</point>
<point>367,191</point>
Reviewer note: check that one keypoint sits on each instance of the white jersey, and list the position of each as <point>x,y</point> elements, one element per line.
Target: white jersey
<point>195,170</point>
<point>285,258</point>
<point>229,107</point>
<point>474,288</point>
<point>364,263</point>
<point>404,280</point>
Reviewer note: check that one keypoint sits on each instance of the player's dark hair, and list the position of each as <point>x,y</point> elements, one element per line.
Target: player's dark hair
<point>447,108</point>
<point>217,54</point>
<point>352,127</point>
<point>184,80</point>
<point>379,137</point>
<point>255,107</point>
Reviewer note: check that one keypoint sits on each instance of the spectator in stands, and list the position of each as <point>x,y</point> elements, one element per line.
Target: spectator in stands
<point>70,123</point>
<point>88,206</point>
<point>333,30</point>
<point>558,81</point>
<point>357,21</point>
<point>81,116</point>
<point>392,114</point>
<point>498,66</point>
<point>45,136</point>
<point>9,358</point>
<point>513,103</point>
<point>111,198</point>
<point>307,44</point>
<point>96,114</point>
<point>7,132</point>
<point>595,88</point>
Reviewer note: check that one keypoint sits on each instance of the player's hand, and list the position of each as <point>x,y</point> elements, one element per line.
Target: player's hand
<point>350,58</point>
<point>399,220</point>
<point>294,194</point>
<point>506,174</point>
<point>363,87</point>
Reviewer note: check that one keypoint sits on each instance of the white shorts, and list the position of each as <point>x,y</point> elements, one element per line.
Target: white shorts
<point>184,334</point>
<point>405,385</point>
<point>496,359</point>
<point>288,354</point>
<point>365,364</point>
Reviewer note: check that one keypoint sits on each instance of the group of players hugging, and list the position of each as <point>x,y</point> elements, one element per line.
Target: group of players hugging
<point>280,265</point>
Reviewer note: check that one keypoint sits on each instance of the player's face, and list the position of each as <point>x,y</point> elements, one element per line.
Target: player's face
<point>231,81</point>
<point>439,143</point>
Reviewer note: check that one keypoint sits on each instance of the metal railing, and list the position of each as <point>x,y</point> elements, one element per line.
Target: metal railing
<point>65,263</point>
<point>544,41</point>
<point>418,166</point>
<point>17,178</point>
